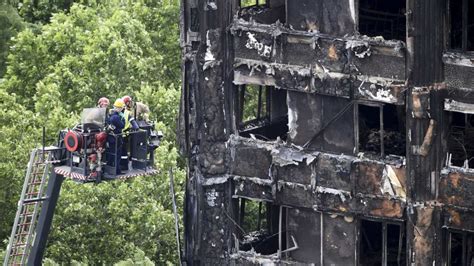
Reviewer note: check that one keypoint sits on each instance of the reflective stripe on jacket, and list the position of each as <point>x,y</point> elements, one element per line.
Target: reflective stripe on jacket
<point>129,121</point>
<point>127,114</point>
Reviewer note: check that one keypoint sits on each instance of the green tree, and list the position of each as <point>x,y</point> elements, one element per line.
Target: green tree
<point>101,224</point>
<point>40,11</point>
<point>11,24</point>
<point>19,133</point>
<point>139,258</point>
<point>2,254</point>
<point>65,65</point>
<point>161,20</point>
<point>88,53</point>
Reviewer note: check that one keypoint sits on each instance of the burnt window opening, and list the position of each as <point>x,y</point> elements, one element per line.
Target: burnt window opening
<point>461,140</point>
<point>263,11</point>
<point>192,16</point>
<point>259,225</point>
<point>381,129</point>
<point>262,112</point>
<point>461,20</point>
<point>194,20</point>
<point>192,24</point>
<point>383,18</point>
<point>382,243</point>
<point>459,248</point>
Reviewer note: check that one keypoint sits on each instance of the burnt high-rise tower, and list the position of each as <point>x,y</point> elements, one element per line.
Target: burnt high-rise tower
<point>333,132</point>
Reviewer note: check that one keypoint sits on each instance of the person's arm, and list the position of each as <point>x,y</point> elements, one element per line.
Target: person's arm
<point>133,123</point>
<point>117,121</point>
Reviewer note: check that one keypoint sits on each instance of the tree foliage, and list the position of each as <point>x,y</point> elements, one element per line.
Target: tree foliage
<point>11,23</point>
<point>19,133</point>
<point>40,11</point>
<point>85,53</point>
<point>77,53</point>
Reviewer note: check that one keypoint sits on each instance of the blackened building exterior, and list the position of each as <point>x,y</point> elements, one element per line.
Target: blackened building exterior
<point>332,132</point>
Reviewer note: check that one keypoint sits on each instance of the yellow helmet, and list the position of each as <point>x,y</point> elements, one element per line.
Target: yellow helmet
<point>119,103</point>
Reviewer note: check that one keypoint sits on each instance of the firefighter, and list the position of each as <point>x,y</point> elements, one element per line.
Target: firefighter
<point>130,125</point>
<point>103,103</point>
<point>128,102</point>
<point>116,122</point>
<point>141,111</point>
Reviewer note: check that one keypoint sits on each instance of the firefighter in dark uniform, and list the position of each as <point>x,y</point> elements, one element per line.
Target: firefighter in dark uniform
<point>116,122</point>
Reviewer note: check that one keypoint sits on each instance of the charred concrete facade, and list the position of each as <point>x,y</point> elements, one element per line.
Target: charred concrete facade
<point>332,132</point>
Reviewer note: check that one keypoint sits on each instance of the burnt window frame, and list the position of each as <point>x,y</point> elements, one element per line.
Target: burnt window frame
<point>357,128</point>
<point>449,137</point>
<point>270,112</point>
<point>260,215</point>
<point>385,223</point>
<point>276,220</point>
<point>382,130</point>
<point>447,233</point>
<point>241,104</point>
<point>464,22</point>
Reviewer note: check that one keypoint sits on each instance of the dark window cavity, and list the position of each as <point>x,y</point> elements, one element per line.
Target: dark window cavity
<point>461,20</point>
<point>259,226</point>
<point>460,248</point>
<point>381,243</point>
<point>194,23</point>
<point>461,140</point>
<point>262,112</point>
<point>383,18</point>
<point>192,14</point>
<point>263,11</point>
<point>381,129</point>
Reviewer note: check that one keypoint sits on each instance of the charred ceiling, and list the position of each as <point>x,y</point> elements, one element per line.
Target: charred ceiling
<point>328,132</point>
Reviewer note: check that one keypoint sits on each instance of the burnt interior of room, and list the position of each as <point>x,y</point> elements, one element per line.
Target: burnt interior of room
<point>460,248</point>
<point>461,140</point>
<point>381,243</point>
<point>461,20</point>
<point>382,129</point>
<point>262,112</point>
<point>263,11</point>
<point>259,226</point>
<point>383,18</point>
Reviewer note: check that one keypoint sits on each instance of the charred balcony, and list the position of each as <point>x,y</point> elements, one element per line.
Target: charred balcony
<point>275,55</point>
<point>279,173</point>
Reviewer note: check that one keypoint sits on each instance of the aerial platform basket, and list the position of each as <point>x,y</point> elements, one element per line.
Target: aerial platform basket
<point>80,155</point>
